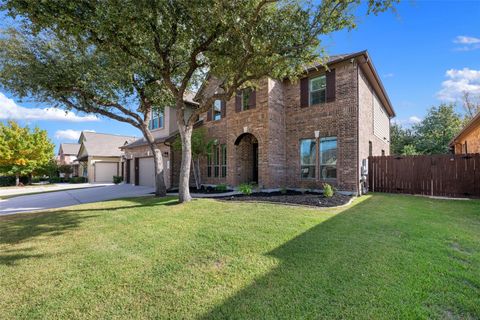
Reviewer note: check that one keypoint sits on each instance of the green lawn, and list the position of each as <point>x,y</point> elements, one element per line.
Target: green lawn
<point>385,256</point>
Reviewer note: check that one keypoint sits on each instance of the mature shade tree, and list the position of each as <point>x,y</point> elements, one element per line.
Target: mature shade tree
<point>175,45</point>
<point>22,150</point>
<point>471,104</point>
<point>437,129</point>
<point>400,137</point>
<point>70,73</point>
<point>201,147</point>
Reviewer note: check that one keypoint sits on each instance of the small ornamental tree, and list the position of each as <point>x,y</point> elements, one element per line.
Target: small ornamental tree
<point>157,50</point>
<point>201,147</point>
<point>22,150</point>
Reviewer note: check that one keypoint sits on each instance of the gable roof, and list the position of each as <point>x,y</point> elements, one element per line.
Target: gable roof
<point>366,64</point>
<point>469,127</point>
<point>69,148</point>
<point>103,144</point>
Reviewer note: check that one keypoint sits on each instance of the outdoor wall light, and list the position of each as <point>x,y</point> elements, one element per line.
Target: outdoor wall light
<point>317,134</point>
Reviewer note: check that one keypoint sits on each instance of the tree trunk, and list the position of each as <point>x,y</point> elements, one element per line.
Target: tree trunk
<point>197,161</point>
<point>160,186</point>
<point>186,138</point>
<point>196,168</point>
<point>17,179</point>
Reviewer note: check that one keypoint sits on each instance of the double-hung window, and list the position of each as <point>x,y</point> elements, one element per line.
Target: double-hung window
<point>308,152</point>
<point>217,110</point>
<point>328,158</point>
<point>317,90</point>
<point>246,98</point>
<point>156,120</point>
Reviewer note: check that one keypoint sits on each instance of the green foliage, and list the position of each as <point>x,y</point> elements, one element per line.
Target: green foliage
<point>327,190</point>
<point>201,146</point>
<point>50,169</point>
<point>245,188</point>
<point>78,180</point>
<point>399,138</point>
<point>431,136</point>
<point>438,128</point>
<point>21,150</point>
<point>117,179</point>
<point>221,187</point>
<point>409,150</point>
<point>283,190</point>
<point>55,180</point>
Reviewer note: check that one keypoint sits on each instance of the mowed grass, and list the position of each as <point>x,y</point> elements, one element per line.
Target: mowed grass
<point>385,256</point>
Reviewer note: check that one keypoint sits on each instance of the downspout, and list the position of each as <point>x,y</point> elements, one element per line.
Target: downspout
<point>358,126</point>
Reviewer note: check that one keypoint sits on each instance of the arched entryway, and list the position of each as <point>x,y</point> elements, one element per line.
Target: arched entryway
<point>246,155</point>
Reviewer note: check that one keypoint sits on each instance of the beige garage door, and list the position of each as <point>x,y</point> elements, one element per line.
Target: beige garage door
<point>146,172</point>
<point>104,171</point>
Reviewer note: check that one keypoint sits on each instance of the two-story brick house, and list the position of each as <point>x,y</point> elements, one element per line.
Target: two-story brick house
<point>299,134</point>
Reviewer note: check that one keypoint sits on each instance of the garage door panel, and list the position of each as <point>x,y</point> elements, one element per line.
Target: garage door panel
<point>104,171</point>
<point>146,172</point>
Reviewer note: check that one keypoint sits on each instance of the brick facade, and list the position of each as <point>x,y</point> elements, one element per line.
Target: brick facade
<point>278,122</point>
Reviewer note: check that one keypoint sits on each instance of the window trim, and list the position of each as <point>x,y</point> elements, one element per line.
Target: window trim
<point>310,91</point>
<point>159,117</point>
<point>320,158</point>
<point>309,165</point>
<point>245,102</point>
<point>219,111</point>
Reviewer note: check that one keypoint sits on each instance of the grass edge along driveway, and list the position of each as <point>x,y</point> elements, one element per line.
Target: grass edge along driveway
<point>385,256</point>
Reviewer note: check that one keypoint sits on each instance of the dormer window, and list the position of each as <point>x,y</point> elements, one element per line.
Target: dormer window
<point>157,120</point>
<point>317,89</point>
<point>217,110</point>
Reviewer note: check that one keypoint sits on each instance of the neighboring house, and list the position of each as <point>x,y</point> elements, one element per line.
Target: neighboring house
<point>100,156</point>
<point>67,155</point>
<point>139,164</point>
<point>301,134</point>
<point>468,140</point>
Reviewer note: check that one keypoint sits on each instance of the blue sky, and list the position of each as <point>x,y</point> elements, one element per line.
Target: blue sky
<point>427,52</point>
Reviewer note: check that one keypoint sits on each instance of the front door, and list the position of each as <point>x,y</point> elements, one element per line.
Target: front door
<point>255,163</point>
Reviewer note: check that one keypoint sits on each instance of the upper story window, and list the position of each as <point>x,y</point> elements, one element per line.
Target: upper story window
<point>217,110</point>
<point>317,90</point>
<point>246,99</point>
<point>157,120</point>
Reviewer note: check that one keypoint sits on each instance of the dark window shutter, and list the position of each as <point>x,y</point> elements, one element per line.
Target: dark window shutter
<point>224,109</point>
<point>238,101</point>
<point>331,86</point>
<point>252,99</point>
<point>209,114</point>
<point>304,92</point>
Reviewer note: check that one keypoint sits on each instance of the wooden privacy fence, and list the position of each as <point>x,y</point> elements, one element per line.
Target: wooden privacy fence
<point>436,175</point>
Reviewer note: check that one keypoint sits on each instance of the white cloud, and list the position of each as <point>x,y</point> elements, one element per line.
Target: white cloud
<point>466,40</point>
<point>414,119</point>
<point>458,82</point>
<point>9,110</point>
<point>69,134</point>
<point>389,75</point>
<point>408,122</point>
<point>468,43</point>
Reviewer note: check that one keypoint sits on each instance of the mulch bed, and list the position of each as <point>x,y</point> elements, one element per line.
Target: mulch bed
<point>293,197</point>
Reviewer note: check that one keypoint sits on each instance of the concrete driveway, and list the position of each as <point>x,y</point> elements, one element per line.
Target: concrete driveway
<point>58,199</point>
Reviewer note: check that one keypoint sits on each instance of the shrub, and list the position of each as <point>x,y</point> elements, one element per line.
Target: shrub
<point>117,179</point>
<point>245,188</point>
<point>327,190</point>
<point>55,180</point>
<point>221,187</point>
<point>78,180</point>
<point>283,190</point>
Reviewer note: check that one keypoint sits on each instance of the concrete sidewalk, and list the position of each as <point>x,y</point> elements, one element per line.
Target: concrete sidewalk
<point>59,199</point>
<point>14,191</point>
